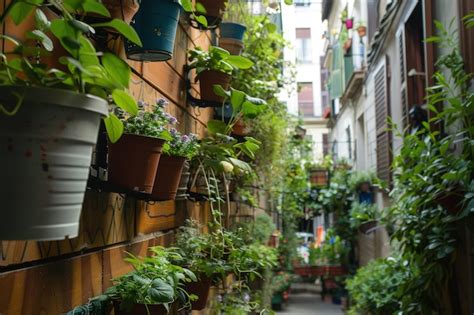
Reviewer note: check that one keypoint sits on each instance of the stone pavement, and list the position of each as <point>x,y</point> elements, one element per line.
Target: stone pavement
<point>309,303</point>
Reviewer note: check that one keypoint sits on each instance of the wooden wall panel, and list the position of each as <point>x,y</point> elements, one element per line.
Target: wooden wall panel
<point>53,288</point>
<point>53,277</point>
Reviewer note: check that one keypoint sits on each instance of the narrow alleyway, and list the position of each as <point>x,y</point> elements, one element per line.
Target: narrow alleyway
<point>309,303</point>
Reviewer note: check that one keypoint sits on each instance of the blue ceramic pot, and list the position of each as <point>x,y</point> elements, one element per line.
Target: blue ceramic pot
<point>233,30</point>
<point>156,23</point>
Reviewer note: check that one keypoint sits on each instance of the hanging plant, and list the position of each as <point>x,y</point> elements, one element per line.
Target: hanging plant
<point>49,117</point>
<point>214,67</point>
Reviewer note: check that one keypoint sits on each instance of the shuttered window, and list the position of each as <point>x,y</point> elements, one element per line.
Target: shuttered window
<point>403,83</point>
<point>467,36</point>
<point>382,112</point>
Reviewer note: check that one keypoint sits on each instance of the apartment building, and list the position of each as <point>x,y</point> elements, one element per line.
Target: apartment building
<point>302,26</point>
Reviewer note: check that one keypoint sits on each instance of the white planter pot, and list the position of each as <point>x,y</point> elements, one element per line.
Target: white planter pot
<point>45,154</point>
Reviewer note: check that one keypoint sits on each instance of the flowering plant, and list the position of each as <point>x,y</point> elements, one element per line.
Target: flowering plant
<point>150,124</point>
<point>182,145</point>
<point>178,144</point>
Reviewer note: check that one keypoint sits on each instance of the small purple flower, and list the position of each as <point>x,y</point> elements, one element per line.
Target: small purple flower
<point>141,104</point>
<point>174,132</point>
<point>185,138</point>
<point>172,120</point>
<point>161,102</point>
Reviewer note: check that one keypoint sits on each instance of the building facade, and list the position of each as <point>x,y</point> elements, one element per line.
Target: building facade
<point>302,26</point>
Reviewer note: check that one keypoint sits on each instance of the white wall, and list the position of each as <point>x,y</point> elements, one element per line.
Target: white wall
<point>304,17</point>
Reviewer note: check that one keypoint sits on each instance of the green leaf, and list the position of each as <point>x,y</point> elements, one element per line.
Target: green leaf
<point>201,19</point>
<point>22,9</point>
<point>125,101</point>
<point>161,292</point>
<point>118,69</point>
<point>187,5</point>
<point>236,99</point>
<point>123,28</point>
<point>82,27</point>
<point>95,7</point>
<point>67,34</point>
<point>219,90</point>
<point>271,27</point>
<point>87,53</point>
<point>216,126</point>
<point>114,127</point>
<point>239,62</point>
<point>200,8</point>
<point>41,20</point>
<point>41,37</point>
<point>240,164</point>
<point>289,2</point>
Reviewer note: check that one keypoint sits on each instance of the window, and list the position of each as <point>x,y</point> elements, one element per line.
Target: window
<point>325,144</point>
<point>305,99</point>
<point>302,3</point>
<point>303,45</point>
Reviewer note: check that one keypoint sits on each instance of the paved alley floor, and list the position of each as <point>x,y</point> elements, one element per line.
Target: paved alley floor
<point>309,303</point>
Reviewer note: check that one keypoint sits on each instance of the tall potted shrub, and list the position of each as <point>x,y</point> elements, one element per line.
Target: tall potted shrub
<point>175,153</point>
<point>214,67</point>
<point>133,160</point>
<point>49,117</point>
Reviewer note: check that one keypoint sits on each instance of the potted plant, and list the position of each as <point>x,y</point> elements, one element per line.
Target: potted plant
<point>153,286</point>
<point>363,216</point>
<point>204,254</point>
<point>220,155</point>
<point>175,153</point>
<point>214,67</point>
<point>232,36</point>
<point>361,29</point>
<point>156,22</point>
<point>213,10</point>
<point>49,117</point>
<point>133,160</point>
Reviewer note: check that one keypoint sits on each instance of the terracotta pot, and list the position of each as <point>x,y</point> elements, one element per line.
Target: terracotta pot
<point>214,10</point>
<point>201,290</point>
<point>207,80</point>
<point>367,226</point>
<point>240,129</point>
<point>140,309</point>
<point>362,31</point>
<point>319,177</point>
<point>182,192</point>
<point>327,298</point>
<point>133,162</point>
<point>167,177</point>
<point>122,9</point>
<point>233,46</point>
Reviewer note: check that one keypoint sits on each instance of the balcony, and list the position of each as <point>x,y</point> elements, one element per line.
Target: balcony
<point>354,77</point>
